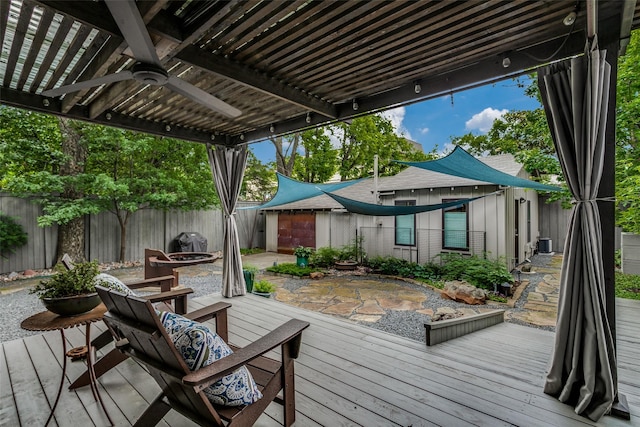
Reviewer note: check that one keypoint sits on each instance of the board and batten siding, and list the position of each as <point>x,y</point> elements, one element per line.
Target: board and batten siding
<point>146,228</point>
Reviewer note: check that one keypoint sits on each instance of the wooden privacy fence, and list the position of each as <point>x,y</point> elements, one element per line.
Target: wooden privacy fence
<point>146,229</point>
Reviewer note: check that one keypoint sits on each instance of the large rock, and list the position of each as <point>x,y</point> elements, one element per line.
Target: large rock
<point>463,292</point>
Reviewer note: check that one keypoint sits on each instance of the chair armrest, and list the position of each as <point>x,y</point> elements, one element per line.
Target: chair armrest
<point>217,311</point>
<point>165,283</point>
<point>169,295</point>
<point>290,331</point>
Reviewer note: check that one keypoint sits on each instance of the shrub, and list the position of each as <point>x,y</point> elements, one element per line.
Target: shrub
<point>264,286</point>
<point>251,251</point>
<point>481,272</point>
<point>250,268</point>
<point>627,286</point>
<point>404,268</point>
<point>324,257</point>
<point>12,235</point>
<point>292,269</point>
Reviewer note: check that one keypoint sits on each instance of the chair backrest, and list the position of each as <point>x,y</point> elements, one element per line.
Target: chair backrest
<point>139,333</point>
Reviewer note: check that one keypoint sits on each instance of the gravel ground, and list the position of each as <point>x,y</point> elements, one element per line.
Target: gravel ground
<point>19,305</point>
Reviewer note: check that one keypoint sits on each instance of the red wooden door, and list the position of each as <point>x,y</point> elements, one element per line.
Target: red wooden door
<point>296,229</point>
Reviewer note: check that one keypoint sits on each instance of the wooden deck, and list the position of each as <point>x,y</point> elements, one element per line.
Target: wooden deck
<point>346,375</point>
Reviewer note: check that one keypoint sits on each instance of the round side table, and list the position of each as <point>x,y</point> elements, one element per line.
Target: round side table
<point>48,321</point>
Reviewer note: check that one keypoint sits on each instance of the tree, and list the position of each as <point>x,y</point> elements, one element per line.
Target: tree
<point>130,171</point>
<point>628,138</point>
<point>363,138</point>
<point>286,152</point>
<point>74,168</point>
<point>318,162</point>
<point>259,181</point>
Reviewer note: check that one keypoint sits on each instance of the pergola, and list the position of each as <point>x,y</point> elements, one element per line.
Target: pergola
<point>258,69</point>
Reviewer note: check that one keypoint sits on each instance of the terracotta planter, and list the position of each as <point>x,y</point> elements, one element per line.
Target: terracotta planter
<point>346,265</point>
<point>71,306</point>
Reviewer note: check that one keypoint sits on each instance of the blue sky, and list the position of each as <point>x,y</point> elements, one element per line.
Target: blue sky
<point>433,122</point>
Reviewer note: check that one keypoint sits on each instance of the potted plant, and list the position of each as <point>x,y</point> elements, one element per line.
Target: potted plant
<point>264,288</point>
<point>70,291</point>
<point>302,255</point>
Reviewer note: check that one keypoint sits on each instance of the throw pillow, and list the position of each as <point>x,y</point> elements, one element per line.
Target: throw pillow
<point>199,347</point>
<point>113,283</point>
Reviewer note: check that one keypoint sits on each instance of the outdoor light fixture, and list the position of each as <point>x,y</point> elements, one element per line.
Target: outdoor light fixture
<point>272,128</point>
<point>108,116</point>
<point>45,102</point>
<point>417,88</point>
<point>355,105</point>
<point>242,137</point>
<point>167,128</point>
<point>570,18</point>
<point>213,136</point>
<point>308,118</point>
<point>506,62</point>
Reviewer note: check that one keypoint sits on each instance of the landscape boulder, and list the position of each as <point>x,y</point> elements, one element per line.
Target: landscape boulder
<point>463,292</point>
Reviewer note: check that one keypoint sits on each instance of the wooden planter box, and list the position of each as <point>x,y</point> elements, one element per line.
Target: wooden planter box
<point>445,330</point>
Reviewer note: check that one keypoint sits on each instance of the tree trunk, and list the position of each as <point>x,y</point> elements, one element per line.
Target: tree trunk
<point>284,164</point>
<point>71,237</point>
<point>123,234</point>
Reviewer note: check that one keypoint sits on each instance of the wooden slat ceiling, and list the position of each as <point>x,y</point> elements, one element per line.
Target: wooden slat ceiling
<point>286,65</point>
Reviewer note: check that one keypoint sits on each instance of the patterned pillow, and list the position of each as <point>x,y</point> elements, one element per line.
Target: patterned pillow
<point>113,283</point>
<point>199,347</point>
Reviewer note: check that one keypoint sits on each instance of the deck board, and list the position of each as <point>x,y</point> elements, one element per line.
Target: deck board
<point>346,375</point>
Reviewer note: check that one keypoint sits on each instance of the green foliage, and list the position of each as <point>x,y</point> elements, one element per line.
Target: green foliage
<point>317,163</point>
<point>12,235</point>
<point>259,182</point>
<point>403,268</point>
<point>324,257</point>
<point>264,286</point>
<point>627,286</point>
<point>496,296</point>
<point>303,252</point>
<point>65,283</point>
<point>481,272</point>
<point>363,138</point>
<point>250,268</point>
<point>291,269</point>
<point>251,251</point>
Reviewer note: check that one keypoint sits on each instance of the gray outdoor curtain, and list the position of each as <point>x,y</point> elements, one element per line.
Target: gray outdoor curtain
<point>583,369</point>
<point>227,166</point>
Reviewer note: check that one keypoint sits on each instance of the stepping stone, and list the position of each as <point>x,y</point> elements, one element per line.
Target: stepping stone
<point>535,296</point>
<point>342,309</point>
<point>370,307</point>
<point>396,304</point>
<point>426,311</point>
<point>365,318</point>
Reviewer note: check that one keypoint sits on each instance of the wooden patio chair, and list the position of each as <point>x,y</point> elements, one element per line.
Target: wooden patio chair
<point>139,333</point>
<point>164,284</point>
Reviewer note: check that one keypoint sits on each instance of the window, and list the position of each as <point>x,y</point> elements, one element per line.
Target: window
<point>406,225</point>
<point>455,227</point>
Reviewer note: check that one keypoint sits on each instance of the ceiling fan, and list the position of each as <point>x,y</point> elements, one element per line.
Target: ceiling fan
<point>148,69</point>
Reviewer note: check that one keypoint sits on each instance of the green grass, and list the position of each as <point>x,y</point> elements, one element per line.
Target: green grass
<point>252,251</point>
<point>627,286</point>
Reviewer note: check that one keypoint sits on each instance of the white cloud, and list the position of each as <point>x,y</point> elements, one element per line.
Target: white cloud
<point>484,119</point>
<point>396,117</point>
<point>423,131</point>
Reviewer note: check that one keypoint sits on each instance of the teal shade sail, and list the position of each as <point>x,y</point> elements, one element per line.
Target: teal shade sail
<point>290,190</point>
<point>372,209</point>
<point>462,164</point>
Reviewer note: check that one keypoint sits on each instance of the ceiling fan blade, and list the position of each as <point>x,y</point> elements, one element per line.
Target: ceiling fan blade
<point>109,78</point>
<point>198,95</point>
<point>134,31</point>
